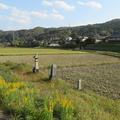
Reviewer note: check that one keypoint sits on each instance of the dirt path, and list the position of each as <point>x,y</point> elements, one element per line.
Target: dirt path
<point>3,116</point>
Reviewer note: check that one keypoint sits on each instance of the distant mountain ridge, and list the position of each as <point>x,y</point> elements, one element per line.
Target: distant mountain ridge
<point>33,37</point>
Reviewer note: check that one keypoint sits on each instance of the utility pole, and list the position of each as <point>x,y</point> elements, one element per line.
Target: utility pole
<point>70,31</point>
<point>13,35</point>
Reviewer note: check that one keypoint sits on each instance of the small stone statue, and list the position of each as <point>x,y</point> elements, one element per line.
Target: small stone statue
<point>36,65</point>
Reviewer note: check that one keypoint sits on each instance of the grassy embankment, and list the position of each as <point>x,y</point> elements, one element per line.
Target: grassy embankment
<point>57,99</point>
<point>33,97</point>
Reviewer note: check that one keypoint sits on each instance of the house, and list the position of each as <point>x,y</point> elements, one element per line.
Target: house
<point>98,41</point>
<point>84,39</point>
<point>54,45</point>
<point>115,37</point>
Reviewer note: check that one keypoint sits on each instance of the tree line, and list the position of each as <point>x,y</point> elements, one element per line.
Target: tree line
<point>43,36</point>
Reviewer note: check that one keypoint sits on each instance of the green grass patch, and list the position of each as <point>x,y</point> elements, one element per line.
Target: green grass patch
<point>32,51</point>
<point>113,54</point>
<point>7,73</point>
<point>46,100</point>
<point>113,47</point>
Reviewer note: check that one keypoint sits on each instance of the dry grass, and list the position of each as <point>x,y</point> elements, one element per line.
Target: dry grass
<point>99,73</point>
<point>103,79</point>
<point>32,51</point>
<point>62,60</point>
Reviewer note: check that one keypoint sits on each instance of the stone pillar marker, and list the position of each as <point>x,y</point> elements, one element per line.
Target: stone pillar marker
<point>79,85</point>
<point>53,72</point>
<point>36,64</point>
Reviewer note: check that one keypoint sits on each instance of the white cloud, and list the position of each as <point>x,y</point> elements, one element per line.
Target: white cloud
<point>20,20</point>
<point>64,5</point>
<point>55,11</point>
<point>56,16</point>
<point>91,4</point>
<point>15,15</point>
<point>48,3</point>
<point>19,16</point>
<point>23,17</point>
<point>39,14</point>
<point>3,6</point>
<point>45,15</point>
<point>59,4</point>
<point>81,3</point>
<point>94,4</point>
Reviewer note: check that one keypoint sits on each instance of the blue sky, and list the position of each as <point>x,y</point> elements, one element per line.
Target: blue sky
<point>25,14</point>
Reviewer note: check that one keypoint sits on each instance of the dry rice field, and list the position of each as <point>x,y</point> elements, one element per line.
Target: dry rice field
<point>99,73</point>
<point>71,60</point>
<point>103,79</point>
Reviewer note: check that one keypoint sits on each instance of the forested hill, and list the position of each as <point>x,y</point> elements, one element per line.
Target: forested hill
<point>34,37</point>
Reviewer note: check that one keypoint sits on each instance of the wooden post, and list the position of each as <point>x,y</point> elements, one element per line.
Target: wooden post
<point>79,86</point>
<point>36,64</point>
<point>53,72</point>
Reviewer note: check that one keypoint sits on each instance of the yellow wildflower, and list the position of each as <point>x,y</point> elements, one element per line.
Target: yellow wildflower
<point>9,91</point>
<point>26,99</point>
<point>2,81</point>
<point>16,85</point>
<point>51,105</point>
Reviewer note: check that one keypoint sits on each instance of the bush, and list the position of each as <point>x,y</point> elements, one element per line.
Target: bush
<point>56,106</point>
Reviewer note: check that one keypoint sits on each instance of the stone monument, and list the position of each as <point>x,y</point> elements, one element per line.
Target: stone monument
<point>79,86</point>
<point>53,72</point>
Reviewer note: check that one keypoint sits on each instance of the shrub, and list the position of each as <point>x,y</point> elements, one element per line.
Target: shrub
<point>22,102</point>
<point>55,106</point>
<point>63,108</point>
<point>17,97</point>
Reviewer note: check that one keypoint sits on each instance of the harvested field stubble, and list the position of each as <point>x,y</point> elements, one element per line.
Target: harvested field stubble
<point>63,60</point>
<point>103,79</point>
<point>99,73</point>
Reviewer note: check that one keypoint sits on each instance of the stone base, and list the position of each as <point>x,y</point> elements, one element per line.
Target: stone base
<point>35,70</point>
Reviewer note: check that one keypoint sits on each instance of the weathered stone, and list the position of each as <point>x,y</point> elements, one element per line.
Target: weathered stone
<point>79,85</point>
<point>53,72</point>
